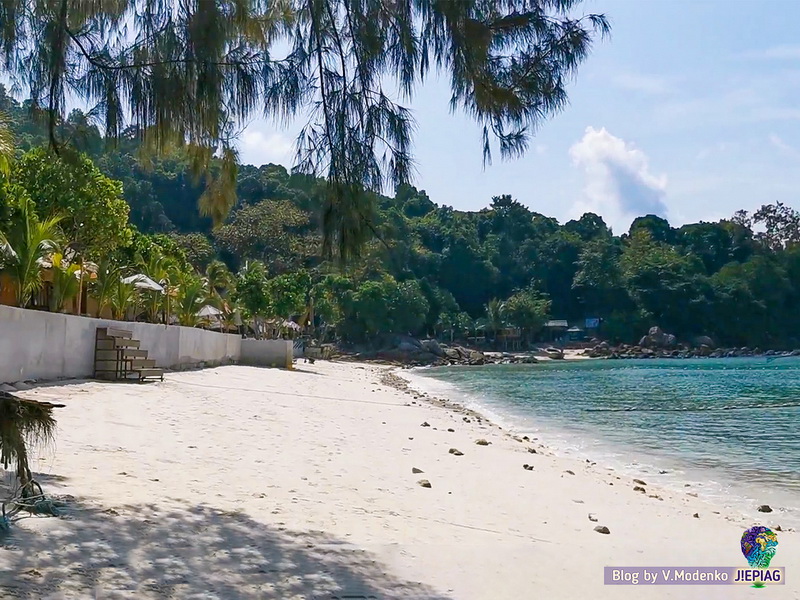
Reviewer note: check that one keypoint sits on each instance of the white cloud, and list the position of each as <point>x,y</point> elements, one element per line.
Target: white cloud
<point>785,148</point>
<point>619,183</point>
<point>260,148</point>
<point>717,149</point>
<point>782,52</point>
<point>541,149</point>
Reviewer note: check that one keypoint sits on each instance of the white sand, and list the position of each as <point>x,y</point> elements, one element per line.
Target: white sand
<point>245,483</point>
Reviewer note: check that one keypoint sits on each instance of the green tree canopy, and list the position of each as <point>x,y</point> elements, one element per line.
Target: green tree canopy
<point>94,214</point>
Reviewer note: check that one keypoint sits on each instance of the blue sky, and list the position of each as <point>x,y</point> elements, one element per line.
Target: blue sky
<point>690,110</point>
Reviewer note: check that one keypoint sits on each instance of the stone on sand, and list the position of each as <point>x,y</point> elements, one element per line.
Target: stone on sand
<point>602,529</point>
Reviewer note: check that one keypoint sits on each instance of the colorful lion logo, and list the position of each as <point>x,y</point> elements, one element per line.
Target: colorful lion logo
<point>759,544</point>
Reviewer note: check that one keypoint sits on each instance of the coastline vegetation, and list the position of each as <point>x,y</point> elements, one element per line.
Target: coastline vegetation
<point>426,270</point>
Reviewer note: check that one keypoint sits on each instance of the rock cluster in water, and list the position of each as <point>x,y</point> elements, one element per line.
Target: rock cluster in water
<point>657,344</point>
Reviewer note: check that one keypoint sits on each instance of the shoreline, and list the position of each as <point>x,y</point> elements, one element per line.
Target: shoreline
<point>258,483</point>
<point>672,473</point>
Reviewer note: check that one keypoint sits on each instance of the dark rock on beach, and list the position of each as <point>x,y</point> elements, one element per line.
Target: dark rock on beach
<point>602,529</point>
<point>765,508</point>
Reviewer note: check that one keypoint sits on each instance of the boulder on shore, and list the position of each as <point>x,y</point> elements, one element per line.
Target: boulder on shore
<point>656,338</point>
<point>476,357</point>
<point>433,347</point>
<point>704,340</point>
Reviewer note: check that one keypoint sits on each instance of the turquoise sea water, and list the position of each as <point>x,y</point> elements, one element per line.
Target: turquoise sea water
<point>734,423</point>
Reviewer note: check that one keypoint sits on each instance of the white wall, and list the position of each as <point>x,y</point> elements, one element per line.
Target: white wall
<point>43,345</point>
<point>267,353</point>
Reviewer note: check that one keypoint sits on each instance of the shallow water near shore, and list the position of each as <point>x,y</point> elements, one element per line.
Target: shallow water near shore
<point>729,427</point>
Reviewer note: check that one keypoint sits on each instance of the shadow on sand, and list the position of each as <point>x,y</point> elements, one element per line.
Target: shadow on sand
<point>146,551</point>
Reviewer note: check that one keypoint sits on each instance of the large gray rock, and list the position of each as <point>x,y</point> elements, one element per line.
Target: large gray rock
<point>656,338</point>
<point>407,346</point>
<point>476,358</point>
<point>433,347</point>
<point>452,353</point>
<point>704,340</point>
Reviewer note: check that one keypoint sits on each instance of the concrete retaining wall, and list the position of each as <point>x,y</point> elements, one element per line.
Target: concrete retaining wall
<point>267,353</point>
<point>43,345</point>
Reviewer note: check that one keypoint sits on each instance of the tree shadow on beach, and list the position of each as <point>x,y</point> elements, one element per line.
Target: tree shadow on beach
<point>146,551</point>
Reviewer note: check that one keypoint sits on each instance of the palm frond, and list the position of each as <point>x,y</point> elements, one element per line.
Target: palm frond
<point>23,423</point>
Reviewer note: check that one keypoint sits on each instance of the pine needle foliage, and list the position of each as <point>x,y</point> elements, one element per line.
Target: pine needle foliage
<point>190,74</point>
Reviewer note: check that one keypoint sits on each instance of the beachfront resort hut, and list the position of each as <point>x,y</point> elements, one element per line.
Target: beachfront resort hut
<point>576,334</point>
<point>510,338</point>
<point>281,328</point>
<point>210,315</point>
<point>555,330</point>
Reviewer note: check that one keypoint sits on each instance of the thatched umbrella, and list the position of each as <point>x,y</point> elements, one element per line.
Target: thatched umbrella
<point>23,422</point>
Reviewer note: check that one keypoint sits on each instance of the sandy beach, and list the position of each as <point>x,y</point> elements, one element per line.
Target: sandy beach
<point>247,483</point>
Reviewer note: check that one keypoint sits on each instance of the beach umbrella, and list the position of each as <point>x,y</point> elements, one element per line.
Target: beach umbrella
<point>209,311</point>
<point>143,282</point>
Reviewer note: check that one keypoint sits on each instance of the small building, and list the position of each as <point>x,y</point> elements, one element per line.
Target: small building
<point>576,334</point>
<point>555,330</point>
<point>510,338</point>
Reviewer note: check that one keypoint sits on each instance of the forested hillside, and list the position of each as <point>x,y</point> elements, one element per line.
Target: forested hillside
<point>429,268</point>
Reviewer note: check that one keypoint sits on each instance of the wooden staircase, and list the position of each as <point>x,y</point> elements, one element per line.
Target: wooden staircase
<point>117,356</point>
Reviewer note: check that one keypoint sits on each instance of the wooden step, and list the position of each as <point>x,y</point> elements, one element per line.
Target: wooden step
<point>112,332</point>
<point>128,364</point>
<point>111,343</point>
<point>144,373</point>
<point>120,354</point>
<point>142,363</point>
<point>126,343</point>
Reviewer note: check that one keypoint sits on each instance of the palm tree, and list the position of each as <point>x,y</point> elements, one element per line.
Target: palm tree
<point>191,296</point>
<point>122,296</point>
<point>495,316</point>
<point>28,241</point>
<point>65,281</point>
<point>218,279</point>
<point>104,287</point>
<point>23,422</point>
<point>158,268</point>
